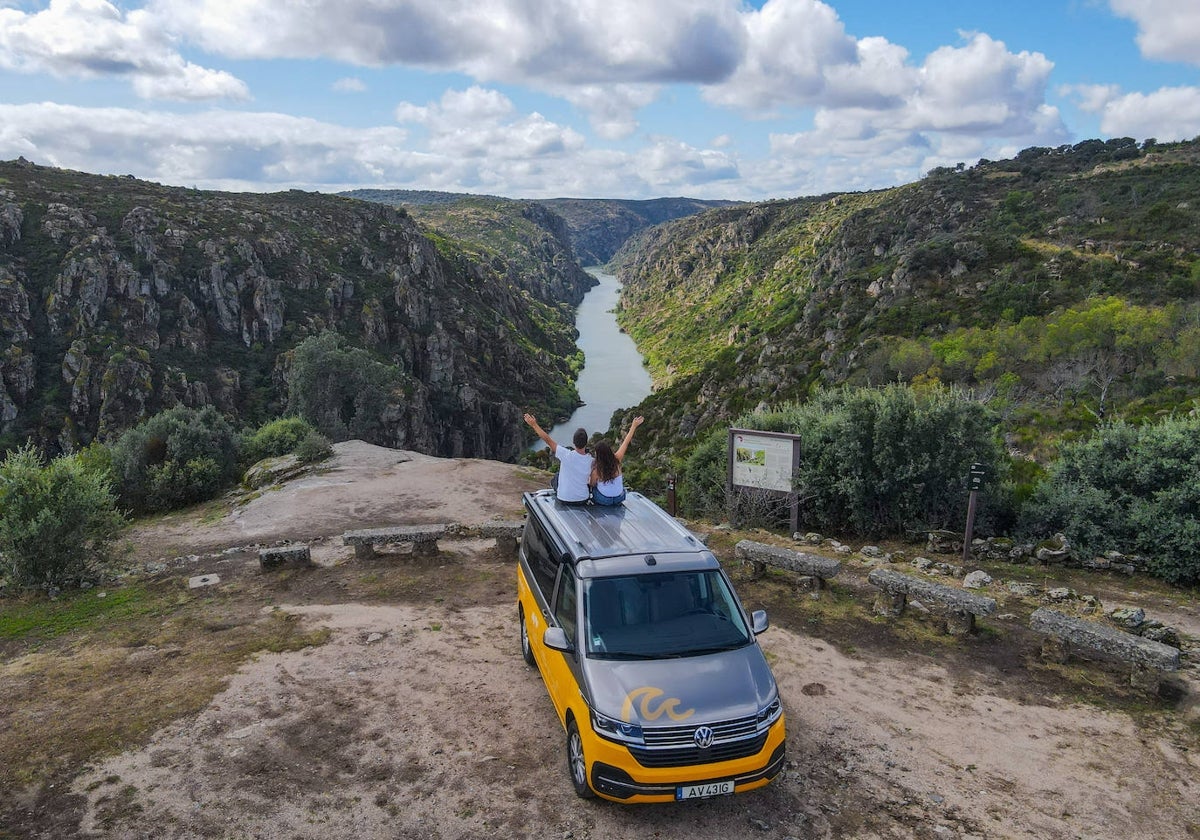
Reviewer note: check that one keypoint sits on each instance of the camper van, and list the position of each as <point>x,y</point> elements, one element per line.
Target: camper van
<point>651,662</point>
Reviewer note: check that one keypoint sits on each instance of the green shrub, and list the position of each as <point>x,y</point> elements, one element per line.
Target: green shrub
<point>56,521</point>
<point>273,439</point>
<point>1133,489</point>
<point>874,461</point>
<point>344,392</point>
<point>177,457</point>
<point>313,448</point>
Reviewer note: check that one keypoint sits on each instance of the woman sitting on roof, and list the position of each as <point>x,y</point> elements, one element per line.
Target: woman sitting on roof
<point>608,488</point>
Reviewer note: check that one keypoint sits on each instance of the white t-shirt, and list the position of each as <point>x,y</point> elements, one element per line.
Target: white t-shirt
<point>612,488</point>
<point>573,474</point>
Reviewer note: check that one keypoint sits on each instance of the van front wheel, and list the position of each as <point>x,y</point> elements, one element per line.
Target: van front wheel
<point>526,650</point>
<point>576,764</point>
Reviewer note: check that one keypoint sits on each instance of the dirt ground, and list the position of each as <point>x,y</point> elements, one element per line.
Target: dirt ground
<point>419,719</point>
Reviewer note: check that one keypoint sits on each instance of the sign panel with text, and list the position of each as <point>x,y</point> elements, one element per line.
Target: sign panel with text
<point>762,460</point>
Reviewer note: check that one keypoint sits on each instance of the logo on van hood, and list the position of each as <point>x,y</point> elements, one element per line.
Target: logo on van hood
<point>674,692</point>
<point>644,698</point>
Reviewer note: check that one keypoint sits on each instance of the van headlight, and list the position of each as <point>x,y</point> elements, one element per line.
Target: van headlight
<point>769,714</point>
<point>616,730</point>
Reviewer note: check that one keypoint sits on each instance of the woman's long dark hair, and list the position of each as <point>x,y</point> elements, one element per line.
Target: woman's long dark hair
<point>607,465</point>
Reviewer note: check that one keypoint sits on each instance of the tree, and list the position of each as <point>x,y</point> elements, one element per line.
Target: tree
<point>177,457</point>
<point>344,392</point>
<point>56,521</point>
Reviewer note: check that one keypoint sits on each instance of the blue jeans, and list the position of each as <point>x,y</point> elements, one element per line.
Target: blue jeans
<point>608,501</point>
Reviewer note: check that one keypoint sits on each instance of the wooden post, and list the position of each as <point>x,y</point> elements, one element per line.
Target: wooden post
<point>970,532</point>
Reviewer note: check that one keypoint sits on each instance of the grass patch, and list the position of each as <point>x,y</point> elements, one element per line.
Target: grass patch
<point>36,618</point>
<point>85,677</point>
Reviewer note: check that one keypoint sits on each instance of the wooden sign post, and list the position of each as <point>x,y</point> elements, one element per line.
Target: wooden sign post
<point>974,482</point>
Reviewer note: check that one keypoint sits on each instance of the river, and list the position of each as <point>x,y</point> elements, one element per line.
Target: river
<point>613,376</point>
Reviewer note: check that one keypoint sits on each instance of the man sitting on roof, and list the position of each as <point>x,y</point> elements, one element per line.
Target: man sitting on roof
<point>575,465</point>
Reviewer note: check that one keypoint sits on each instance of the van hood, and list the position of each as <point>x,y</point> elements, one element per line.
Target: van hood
<point>674,692</point>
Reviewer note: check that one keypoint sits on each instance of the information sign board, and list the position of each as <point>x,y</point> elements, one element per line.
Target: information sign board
<point>762,460</point>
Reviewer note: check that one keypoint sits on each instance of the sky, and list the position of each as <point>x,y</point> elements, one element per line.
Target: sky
<point>591,98</point>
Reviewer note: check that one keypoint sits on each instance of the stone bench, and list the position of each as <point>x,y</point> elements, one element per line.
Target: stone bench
<point>1148,658</point>
<point>507,534</point>
<point>961,606</point>
<point>422,538</point>
<point>813,566</point>
<point>296,555</point>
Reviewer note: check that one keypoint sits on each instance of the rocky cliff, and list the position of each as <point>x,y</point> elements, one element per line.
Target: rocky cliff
<point>119,298</point>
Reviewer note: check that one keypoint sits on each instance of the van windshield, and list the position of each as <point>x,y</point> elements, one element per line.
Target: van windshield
<point>662,615</point>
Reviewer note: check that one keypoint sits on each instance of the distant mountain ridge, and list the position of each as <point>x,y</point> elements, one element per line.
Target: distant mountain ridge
<point>597,227</point>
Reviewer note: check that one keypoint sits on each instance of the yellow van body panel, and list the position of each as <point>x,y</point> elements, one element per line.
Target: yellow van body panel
<point>568,700</point>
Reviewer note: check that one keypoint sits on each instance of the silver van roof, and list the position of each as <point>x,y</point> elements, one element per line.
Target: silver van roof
<point>637,527</point>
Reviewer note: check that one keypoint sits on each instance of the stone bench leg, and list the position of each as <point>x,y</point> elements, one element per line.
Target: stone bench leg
<point>811,584</point>
<point>364,551</point>
<point>508,545</point>
<point>960,623</point>
<point>887,603</point>
<point>425,548</point>
<point>757,569</point>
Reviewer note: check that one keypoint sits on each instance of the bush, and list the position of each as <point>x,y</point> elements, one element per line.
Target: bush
<point>344,392</point>
<point>874,461</point>
<point>273,439</point>
<point>315,447</point>
<point>56,521</point>
<point>1133,489</point>
<point>177,457</point>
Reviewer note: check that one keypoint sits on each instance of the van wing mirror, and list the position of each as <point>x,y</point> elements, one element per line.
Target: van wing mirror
<point>555,638</point>
<point>758,621</point>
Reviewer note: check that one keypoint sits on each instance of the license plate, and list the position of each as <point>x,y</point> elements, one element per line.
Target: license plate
<point>703,791</point>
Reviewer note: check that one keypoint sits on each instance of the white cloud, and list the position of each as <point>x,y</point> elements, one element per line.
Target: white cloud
<point>481,123</point>
<point>583,42</point>
<point>790,43</point>
<point>611,109</point>
<point>350,84</point>
<point>217,148</point>
<point>668,163</point>
<point>1171,113</point>
<point>981,87</point>
<point>93,38</point>
<point>1167,29</point>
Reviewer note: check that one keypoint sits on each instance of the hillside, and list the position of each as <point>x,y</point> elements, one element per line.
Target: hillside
<point>1063,285</point>
<point>120,297</point>
<point>595,227</point>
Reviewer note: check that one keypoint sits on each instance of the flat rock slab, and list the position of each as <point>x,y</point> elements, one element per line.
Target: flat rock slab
<point>1101,637</point>
<point>896,583</point>
<point>203,580</point>
<point>813,565</point>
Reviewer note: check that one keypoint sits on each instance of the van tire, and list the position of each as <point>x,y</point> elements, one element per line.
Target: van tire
<point>576,763</point>
<point>526,649</point>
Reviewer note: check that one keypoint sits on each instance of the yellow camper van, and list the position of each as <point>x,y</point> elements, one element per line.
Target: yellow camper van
<point>648,656</point>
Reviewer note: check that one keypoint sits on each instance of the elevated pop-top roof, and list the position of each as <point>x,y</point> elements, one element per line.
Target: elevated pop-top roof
<point>637,527</point>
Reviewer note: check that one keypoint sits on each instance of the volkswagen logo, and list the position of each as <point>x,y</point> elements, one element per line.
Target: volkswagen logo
<point>703,737</point>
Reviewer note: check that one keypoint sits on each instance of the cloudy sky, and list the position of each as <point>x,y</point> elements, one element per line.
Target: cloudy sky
<point>592,98</point>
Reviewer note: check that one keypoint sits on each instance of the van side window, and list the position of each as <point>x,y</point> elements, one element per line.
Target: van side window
<point>565,603</point>
<point>540,558</point>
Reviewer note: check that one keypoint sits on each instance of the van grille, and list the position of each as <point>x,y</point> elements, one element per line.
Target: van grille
<point>685,756</point>
<point>675,746</point>
<point>680,736</point>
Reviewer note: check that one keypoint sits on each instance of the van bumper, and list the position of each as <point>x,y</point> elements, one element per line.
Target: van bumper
<point>616,782</point>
